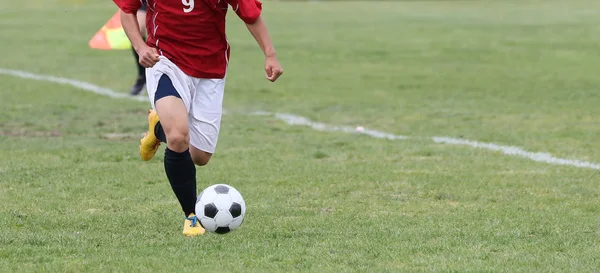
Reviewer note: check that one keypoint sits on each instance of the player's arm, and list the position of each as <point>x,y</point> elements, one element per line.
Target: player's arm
<point>259,30</point>
<point>249,11</point>
<point>261,34</point>
<point>129,8</point>
<point>132,29</point>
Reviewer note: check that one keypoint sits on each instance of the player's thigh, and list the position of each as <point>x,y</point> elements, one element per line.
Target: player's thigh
<point>171,111</point>
<point>169,91</point>
<point>173,115</point>
<point>183,85</point>
<point>205,116</point>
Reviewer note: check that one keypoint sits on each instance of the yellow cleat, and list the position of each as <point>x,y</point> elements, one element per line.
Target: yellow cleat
<point>149,143</point>
<point>191,226</point>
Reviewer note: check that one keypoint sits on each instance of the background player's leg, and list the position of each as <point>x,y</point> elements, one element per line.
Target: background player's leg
<point>140,81</point>
<point>179,166</point>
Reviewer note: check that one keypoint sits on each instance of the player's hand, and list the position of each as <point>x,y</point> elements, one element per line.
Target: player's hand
<point>273,68</point>
<point>148,56</point>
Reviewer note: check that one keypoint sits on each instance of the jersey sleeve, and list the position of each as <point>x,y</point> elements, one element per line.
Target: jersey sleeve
<point>247,10</point>
<point>129,6</point>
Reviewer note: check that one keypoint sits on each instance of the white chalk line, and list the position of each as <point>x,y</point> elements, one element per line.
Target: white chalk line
<point>303,121</point>
<point>74,83</point>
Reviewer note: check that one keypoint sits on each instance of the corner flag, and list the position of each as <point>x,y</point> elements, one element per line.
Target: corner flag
<point>111,36</point>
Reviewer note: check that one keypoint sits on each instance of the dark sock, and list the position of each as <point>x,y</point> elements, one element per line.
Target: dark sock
<point>160,133</point>
<point>141,70</point>
<point>181,172</point>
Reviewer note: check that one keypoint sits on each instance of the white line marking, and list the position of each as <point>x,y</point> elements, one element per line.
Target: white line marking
<point>75,83</point>
<point>303,121</point>
<point>516,151</point>
<point>507,150</point>
<point>299,120</point>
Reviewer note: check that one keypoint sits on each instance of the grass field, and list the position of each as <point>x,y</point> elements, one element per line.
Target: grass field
<point>521,73</point>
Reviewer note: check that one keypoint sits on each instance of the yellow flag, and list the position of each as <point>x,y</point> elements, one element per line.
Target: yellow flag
<point>111,36</point>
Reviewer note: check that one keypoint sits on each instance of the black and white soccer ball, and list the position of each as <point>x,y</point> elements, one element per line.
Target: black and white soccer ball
<point>220,208</point>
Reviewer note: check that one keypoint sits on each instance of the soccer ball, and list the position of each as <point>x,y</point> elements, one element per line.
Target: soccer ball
<point>220,208</point>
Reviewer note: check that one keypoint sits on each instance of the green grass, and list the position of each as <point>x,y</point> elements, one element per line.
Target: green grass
<point>521,73</point>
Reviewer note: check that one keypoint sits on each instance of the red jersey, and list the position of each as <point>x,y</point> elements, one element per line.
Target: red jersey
<point>191,33</point>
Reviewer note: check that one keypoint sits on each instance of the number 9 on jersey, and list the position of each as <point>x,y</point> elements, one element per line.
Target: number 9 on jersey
<point>188,5</point>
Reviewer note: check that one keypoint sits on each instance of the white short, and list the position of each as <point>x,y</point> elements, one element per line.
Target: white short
<point>203,99</point>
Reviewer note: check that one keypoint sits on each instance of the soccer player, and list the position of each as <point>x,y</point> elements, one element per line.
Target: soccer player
<point>186,57</point>
<point>140,81</point>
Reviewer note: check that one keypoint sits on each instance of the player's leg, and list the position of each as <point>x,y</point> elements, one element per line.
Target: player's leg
<point>205,119</point>
<point>140,81</point>
<point>178,164</point>
<point>200,157</point>
<point>170,93</point>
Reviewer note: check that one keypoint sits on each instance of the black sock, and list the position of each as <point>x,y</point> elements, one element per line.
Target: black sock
<point>141,70</point>
<point>160,133</point>
<point>181,172</point>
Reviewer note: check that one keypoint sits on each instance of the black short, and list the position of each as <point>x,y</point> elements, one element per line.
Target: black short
<point>143,8</point>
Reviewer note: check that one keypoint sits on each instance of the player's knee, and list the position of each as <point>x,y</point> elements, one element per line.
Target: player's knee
<point>178,141</point>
